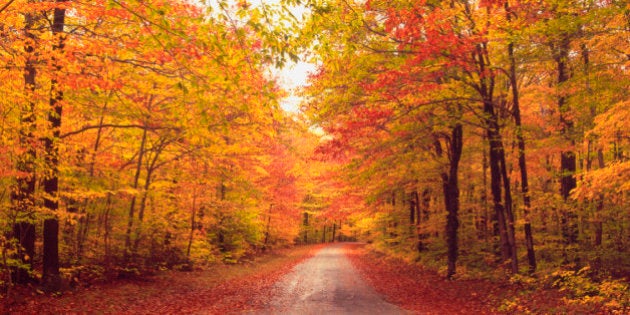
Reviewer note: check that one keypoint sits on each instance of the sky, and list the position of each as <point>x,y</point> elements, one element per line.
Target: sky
<point>291,78</point>
<point>295,74</point>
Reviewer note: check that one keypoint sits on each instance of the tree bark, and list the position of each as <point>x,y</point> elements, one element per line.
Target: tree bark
<point>599,228</point>
<point>423,216</point>
<point>192,222</point>
<point>305,223</point>
<point>132,206</point>
<point>498,173</point>
<point>51,277</point>
<point>22,197</point>
<point>568,163</point>
<point>522,160</point>
<point>268,228</point>
<point>495,155</point>
<point>145,194</point>
<point>451,197</point>
<point>412,207</point>
<point>509,215</point>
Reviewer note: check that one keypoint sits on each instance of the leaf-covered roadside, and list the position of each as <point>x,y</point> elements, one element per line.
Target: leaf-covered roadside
<point>426,292</point>
<point>219,290</point>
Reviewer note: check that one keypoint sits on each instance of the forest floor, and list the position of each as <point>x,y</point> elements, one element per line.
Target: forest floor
<point>423,291</point>
<point>348,278</point>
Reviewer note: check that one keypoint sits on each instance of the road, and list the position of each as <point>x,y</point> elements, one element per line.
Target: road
<point>327,283</point>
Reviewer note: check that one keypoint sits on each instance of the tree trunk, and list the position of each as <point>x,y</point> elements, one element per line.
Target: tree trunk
<point>485,217</point>
<point>451,198</point>
<point>339,235</point>
<point>305,223</point>
<point>332,240</point>
<point>192,222</point>
<point>24,233</point>
<point>132,206</point>
<point>423,216</point>
<point>568,163</point>
<point>268,228</point>
<point>498,173</point>
<point>22,197</point>
<point>145,194</point>
<point>509,216</point>
<point>412,207</point>
<point>84,223</point>
<point>522,161</point>
<point>107,229</point>
<point>599,229</point>
<point>51,277</point>
<point>495,155</point>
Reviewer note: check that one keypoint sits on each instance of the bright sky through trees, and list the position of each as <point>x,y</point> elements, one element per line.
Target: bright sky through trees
<point>295,74</point>
<point>291,78</point>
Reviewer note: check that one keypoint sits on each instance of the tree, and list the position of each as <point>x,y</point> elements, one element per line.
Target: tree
<point>51,276</point>
<point>23,195</point>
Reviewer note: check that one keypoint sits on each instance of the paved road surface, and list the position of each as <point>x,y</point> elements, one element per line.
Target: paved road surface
<point>327,283</point>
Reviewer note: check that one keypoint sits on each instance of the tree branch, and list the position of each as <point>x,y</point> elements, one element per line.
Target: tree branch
<point>86,128</point>
<point>4,7</point>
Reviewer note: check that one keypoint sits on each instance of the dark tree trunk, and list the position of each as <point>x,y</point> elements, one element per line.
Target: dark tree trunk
<point>22,197</point>
<point>334,231</point>
<point>509,216</point>
<point>522,161</point>
<point>499,180</point>
<point>423,216</point>
<point>495,155</point>
<point>393,198</point>
<point>267,229</point>
<point>599,229</point>
<point>485,217</point>
<point>24,232</point>
<point>305,223</point>
<point>412,207</point>
<point>339,235</point>
<point>106,228</point>
<point>451,197</point>
<point>568,163</point>
<point>83,231</point>
<point>51,277</point>
<point>193,213</point>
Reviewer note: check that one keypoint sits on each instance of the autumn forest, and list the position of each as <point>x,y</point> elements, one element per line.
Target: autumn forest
<point>479,139</point>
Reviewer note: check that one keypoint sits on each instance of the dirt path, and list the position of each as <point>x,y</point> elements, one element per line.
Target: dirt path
<point>327,284</point>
